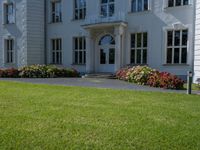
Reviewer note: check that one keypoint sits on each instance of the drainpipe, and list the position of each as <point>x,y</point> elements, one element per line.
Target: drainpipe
<point>45,32</point>
<point>193,39</point>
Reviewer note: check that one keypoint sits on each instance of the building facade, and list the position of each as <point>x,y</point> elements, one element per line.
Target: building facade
<point>101,35</point>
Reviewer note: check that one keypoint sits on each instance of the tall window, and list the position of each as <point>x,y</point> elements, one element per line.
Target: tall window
<point>80,9</point>
<point>79,50</point>
<point>139,43</point>
<point>9,13</point>
<point>173,3</point>
<point>139,5</point>
<point>107,8</point>
<point>57,51</point>
<point>177,43</point>
<point>56,11</point>
<point>9,48</point>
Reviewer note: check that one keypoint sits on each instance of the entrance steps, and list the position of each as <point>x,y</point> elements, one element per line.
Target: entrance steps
<point>100,75</point>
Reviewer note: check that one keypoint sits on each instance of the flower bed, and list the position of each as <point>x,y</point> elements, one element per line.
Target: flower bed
<point>38,71</point>
<point>144,75</point>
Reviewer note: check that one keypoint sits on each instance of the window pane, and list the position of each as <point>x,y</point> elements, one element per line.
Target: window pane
<point>146,7</point>
<point>144,56</point>
<point>134,6</point>
<point>178,2</point>
<point>53,58</point>
<point>139,56</point>
<point>76,3</point>
<point>107,40</point>
<point>176,55</point>
<point>177,38</point>
<point>104,11</point>
<point>132,56</point>
<point>84,43</point>
<point>111,9</point>
<point>80,57</point>
<point>145,41</point>
<point>170,3</point>
<point>80,43</point>
<point>102,57</point>
<point>169,38</point>
<point>112,56</point>
<point>169,55</point>
<point>140,5</point>
<point>132,40</point>
<point>185,2</point>
<point>184,37</point>
<point>53,45</point>
<point>139,40</point>
<point>104,1</point>
<point>84,57</point>
<point>76,57</point>
<point>184,56</point>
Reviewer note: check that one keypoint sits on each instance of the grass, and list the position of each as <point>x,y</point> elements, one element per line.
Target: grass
<point>195,87</point>
<point>58,117</point>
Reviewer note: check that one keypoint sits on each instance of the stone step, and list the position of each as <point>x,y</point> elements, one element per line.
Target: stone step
<point>100,75</point>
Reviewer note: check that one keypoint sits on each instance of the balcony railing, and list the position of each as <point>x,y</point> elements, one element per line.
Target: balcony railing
<point>98,19</point>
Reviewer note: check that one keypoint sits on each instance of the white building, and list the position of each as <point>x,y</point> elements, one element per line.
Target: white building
<point>101,35</point>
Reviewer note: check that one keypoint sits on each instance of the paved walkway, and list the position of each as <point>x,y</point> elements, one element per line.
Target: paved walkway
<point>91,82</point>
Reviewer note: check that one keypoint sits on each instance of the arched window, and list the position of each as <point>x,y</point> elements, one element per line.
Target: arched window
<point>107,40</point>
<point>107,8</point>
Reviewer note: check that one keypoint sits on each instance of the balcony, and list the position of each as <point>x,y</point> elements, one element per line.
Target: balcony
<point>98,20</point>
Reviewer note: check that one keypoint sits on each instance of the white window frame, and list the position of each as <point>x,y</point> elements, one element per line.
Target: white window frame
<point>79,9</point>
<point>56,51</point>
<point>142,48</point>
<point>9,50</point>
<point>79,50</point>
<point>6,14</point>
<point>107,8</point>
<point>131,5</point>
<point>174,5</point>
<point>173,46</point>
<point>56,12</point>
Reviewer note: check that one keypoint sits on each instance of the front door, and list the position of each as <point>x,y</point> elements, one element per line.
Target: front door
<point>106,54</point>
<point>106,59</point>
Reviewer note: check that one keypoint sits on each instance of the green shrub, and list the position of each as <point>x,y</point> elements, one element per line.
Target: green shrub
<point>43,71</point>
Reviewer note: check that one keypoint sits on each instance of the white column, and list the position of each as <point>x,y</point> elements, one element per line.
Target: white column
<point>119,31</point>
<point>89,53</point>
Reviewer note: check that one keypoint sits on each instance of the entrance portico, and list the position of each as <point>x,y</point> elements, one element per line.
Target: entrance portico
<point>104,44</point>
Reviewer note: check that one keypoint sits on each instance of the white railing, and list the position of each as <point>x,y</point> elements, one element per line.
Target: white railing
<point>97,19</point>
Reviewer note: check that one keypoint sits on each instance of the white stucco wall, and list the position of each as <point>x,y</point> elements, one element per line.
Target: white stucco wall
<point>27,32</point>
<point>16,31</point>
<point>197,44</point>
<point>154,22</point>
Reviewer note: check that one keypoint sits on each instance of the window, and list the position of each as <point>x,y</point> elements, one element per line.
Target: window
<point>107,8</point>
<point>56,11</point>
<point>9,13</point>
<point>173,3</point>
<point>107,40</point>
<point>80,9</point>
<point>56,51</point>
<point>177,41</point>
<point>139,43</point>
<point>9,48</point>
<point>139,5</point>
<point>79,50</point>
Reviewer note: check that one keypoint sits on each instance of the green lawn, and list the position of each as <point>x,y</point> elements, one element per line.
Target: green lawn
<point>195,87</point>
<point>58,117</point>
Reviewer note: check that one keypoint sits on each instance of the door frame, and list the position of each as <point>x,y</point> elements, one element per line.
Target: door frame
<point>97,51</point>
